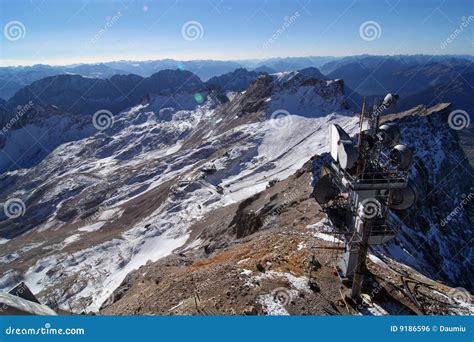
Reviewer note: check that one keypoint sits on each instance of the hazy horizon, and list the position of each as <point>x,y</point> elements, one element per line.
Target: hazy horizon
<point>86,32</point>
<point>235,60</point>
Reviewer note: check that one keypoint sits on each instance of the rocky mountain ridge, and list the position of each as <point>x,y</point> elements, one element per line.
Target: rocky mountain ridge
<point>102,205</point>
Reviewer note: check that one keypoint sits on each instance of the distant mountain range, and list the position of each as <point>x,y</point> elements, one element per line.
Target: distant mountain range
<point>82,95</point>
<point>417,79</point>
<point>116,85</point>
<point>181,88</point>
<point>376,75</point>
<point>13,79</point>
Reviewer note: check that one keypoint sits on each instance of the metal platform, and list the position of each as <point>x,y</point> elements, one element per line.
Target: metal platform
<point>373,180</point>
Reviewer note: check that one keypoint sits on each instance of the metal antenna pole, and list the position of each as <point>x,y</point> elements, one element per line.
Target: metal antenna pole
<point>362,248</point>
<point>361,120</point>
<point>360,164</point>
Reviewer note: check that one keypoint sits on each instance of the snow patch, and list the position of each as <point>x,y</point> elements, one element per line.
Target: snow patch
<point>327,237</point>
<point>272,307</point>
<point>378,261</point>
<point>92,228</point>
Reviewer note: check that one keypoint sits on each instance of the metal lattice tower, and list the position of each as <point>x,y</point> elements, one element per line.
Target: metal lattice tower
<point>373,172</point>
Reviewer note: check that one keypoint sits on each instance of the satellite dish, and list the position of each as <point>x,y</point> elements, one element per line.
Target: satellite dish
<point>347,154</point>
<point>390,99</point>
<point>403,199</point>
<point>324,190</point>
<point>401,157</point>
<point>336,134</point>
<point>389,134</point>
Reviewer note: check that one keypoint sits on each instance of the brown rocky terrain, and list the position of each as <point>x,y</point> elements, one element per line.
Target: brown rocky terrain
<point>265,255</point>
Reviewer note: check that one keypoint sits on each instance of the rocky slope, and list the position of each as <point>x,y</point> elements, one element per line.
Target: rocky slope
<point>65,108</point>
<point>272,254</point>
<point>438,230</point>
<point>102,205</point>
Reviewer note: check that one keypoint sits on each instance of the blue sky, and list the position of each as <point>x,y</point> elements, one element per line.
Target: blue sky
<point>75,31</point>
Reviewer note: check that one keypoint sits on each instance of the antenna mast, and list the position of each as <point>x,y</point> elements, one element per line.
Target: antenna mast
<point>374,175</point>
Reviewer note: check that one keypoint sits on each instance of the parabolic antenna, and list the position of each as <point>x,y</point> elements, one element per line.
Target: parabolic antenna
<point>343,150</point>
<point>389,134</point>
<point>401,157</point>
<point>324,190</point>
<point>336,134</point>
<point>347,154</point>
<point>403,199</point>
<point>389,100</point>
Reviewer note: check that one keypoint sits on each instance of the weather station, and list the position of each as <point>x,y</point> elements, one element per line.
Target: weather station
<point>364,180</point>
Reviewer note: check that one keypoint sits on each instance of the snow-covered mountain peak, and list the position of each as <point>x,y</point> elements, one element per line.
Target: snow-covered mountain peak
<point>307,96</point>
